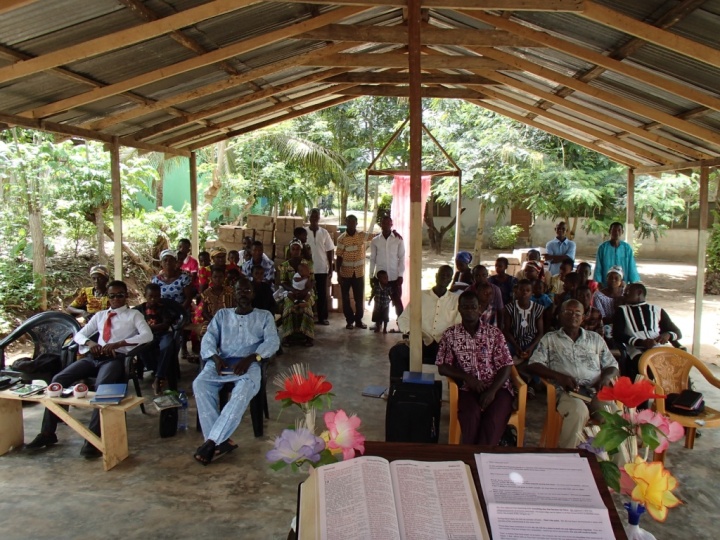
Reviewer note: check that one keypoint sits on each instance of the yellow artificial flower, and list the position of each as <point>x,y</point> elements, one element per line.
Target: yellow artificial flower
<point>653,486</point>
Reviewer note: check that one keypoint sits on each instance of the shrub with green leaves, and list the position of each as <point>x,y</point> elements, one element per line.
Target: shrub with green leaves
<point>505,236</point>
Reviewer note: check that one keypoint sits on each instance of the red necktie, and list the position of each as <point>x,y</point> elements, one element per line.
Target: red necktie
<point>106,335</point>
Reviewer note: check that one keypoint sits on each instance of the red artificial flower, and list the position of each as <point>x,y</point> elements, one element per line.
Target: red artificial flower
<point>299,389</point>
<point>629,394</point>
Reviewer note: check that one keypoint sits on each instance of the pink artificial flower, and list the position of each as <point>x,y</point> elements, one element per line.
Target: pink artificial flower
<point>672,431</point>
<point>343,434</point>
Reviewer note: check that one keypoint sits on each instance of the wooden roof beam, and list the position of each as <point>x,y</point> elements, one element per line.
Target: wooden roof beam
<point>395,60</point>
<point>227,106</point>
<point>485,5</point>
<point>642,75</point>
<point>630,105</point>
<point>678,166</point>
<point>388,77</point>
<point>430,36</point>
<point>72,131</point>
<point>213,88</point>
<point>588,112</point>
<point>123,38</point>
<point>232,122</point>
<point>604,137</point>
<point>213,57</point>
<point>267,123</point>
<point>9,5</point>
<point>647,32</point>
<point>404,91</point>
<point>562,134</point>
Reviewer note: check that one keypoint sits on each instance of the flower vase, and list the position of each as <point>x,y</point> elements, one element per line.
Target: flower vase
<point>633,529</point>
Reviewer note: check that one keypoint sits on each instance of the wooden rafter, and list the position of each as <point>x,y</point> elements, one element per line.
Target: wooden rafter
<point>678,166</point>
<point>270,122</point>
<point>404,91</point>
<point>213,57</point>
<point>630,105</point>
<point>9,5</point>
<point>389,77</point>
<point>485,5</point>
<point>562,134</point>
<point>607,62</point>
<point>430,36</point>
<point>227,106</point>
<point>233,122</point>
<point>601,136</point>
<point>622,125</point>
<point>209,89</point>
<point>123,38</point>
<point>395,60</point>
<point>73,131</point>
<point>661,38</point>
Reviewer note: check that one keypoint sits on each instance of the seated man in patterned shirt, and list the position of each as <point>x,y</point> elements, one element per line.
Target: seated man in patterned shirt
<point>477,357</point>
<point>574,359</point>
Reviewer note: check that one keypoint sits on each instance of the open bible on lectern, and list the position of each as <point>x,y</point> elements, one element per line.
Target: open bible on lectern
<point>372,498</point>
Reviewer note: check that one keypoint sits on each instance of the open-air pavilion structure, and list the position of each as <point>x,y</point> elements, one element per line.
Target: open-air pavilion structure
<point>635,81</point>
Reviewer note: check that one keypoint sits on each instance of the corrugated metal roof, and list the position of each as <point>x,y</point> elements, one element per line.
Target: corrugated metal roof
<point>50,25</point>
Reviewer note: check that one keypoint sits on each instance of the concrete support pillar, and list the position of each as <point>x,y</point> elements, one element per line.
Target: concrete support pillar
<point>116,192</point>
<point>701,249</point>
<point>194,205</point>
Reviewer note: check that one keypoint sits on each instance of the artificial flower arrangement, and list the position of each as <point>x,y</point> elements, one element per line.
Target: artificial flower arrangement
<point>648,484</point>
<point>299,445</point>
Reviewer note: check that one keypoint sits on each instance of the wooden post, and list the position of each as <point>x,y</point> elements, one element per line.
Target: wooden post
<point>630,213</point>
<point>195,239</point>
<point>117,207</point>
<point>701,248</point>
<point>458,215</point>
<point>416,210</point>
<point>367,190</point>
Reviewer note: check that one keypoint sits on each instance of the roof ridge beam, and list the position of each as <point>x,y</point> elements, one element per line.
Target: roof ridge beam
<point>398,60</point>
<point>652,34</point>
<point>213,57</point>
<point>123,38</point>
<point>566,47</point>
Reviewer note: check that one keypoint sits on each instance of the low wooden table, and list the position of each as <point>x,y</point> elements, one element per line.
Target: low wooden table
<point>113,443</point>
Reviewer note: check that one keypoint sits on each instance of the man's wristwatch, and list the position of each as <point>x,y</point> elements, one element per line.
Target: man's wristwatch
<point>258,358</point>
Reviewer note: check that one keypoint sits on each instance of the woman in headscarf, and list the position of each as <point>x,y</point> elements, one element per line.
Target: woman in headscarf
<point>462,264</point>
<point>607,299</point>
<point>296,321</point>
<point>174,283</point>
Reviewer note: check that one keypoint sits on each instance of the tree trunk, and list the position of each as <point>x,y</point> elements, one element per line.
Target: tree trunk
<point>344,193</point>
<point>38,242</point>
<point>134,257</point>
<point>160,188</point>
<point>436,235</point>
<point>100,231</point>
<point>477,250</point>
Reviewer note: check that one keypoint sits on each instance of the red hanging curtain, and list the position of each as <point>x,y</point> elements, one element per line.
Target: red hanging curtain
<point>400,213</point>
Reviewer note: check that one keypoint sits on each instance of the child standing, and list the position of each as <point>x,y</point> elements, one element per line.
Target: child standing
<point>381,293</point>
<point>204,271</point>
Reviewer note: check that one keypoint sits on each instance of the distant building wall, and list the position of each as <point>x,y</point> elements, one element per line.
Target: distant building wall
<point>674,245</point>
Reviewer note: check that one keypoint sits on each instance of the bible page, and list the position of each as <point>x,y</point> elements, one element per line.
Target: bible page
<point>542,497</point>
<point>435,501</point>
<point>355,500</point>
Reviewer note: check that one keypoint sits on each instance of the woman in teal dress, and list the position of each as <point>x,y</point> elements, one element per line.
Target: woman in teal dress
<point>296,322</point>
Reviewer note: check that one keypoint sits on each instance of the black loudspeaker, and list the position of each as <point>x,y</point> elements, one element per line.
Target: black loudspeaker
<point>413,412</point>
<point>168,422</point>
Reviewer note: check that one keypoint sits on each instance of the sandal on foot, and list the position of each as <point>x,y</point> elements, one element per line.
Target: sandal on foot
<point>224,449</point>
<point>205,453</point>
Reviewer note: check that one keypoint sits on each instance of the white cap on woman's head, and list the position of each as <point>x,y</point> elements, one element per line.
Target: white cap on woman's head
<point>617,269</point>
<point>168,253</point>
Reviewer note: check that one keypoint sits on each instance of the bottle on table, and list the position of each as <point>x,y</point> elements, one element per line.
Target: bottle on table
<point>183,412</point>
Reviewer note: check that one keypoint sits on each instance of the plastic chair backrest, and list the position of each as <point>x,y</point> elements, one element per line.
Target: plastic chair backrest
<point>670,367</point>
<point>49,331</point>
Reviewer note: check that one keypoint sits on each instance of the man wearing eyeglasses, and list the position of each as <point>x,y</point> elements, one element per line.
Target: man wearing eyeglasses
<point>119,330</point>
<point>576,361</point>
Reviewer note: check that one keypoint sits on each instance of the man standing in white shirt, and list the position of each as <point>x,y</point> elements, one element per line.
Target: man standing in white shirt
<point>119,330</point>
<point>439,312</point>
<point>323,249</point>
<point>387,252</point>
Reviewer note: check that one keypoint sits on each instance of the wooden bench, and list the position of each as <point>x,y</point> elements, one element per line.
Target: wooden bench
<point>113,443</point>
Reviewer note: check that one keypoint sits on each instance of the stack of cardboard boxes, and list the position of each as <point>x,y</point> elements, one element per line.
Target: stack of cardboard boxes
<point>284,227</point>
<point>230,237</point>
<point>264,227</point>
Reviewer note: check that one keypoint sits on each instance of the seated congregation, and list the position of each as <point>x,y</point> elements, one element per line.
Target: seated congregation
<point>548,320</point>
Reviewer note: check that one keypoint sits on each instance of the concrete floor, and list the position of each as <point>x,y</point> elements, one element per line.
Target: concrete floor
<point>161,492</point>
